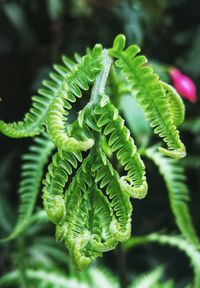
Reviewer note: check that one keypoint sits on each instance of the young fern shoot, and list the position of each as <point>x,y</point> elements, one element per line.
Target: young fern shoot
<point>92,213</point>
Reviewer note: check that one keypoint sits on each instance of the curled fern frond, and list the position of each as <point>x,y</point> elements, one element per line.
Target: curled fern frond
<point>34,119</point>
<point>108,178</point>
<point>93,212</point>
<point>86,227</point>
<point>57,131</point>
<point>31,176</point>
<point>120,141</point>
<point>174,176</point>
<point>83,74</point>
<point>59,170</point>
<point>150,94</point>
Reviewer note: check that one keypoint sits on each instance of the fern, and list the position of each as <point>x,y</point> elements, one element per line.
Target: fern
<point>108,178</point>
<point>83,74</point>
<point>35,119</point>
<point>31,176</point>
<point>59,171</point>
<point>94,278</point>
<point>174,241</point>
<point>148,280</point>
<point>174,177</point>
<point>86,230</point>
<point>83,194</point>
<point>150,95</point>
<point>134,184</point>
<point>43,278</point>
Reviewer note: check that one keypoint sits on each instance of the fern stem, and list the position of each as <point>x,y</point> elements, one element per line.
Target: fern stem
<point>99,86</point>
<point>100,83</point>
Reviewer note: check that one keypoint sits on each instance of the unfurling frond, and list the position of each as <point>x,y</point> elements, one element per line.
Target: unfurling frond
<point>34,119</point>
<point>59,171</point>
<point>108,178</point>
<point>86,227</point>
<point>120,141</point>
<point>80,77</point>
<point>151,95</point>
<point>84,195</point>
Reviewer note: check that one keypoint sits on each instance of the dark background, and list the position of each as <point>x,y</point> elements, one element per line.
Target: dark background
<point>34,34</point>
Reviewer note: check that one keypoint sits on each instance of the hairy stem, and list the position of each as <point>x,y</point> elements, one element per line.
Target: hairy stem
<point>99,86</point>
<point>100,83</point>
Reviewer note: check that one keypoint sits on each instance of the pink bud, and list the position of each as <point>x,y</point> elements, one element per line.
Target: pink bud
<point>184,85</point>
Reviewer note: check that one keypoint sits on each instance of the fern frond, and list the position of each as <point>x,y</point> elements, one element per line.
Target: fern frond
<point>120,141</point>
<point>83,74</point>
<point>89,221</point>
<point>174,176</point>
<point>150,95</point>
<point>148,280</point>
<point>92,278</point>
<point>93,212</point>
<point>34,119</point>
<point>108,178</point>
<point>177,108</point>
<point>100,277</point>
<point>86,228</point>
<point>31,176</point>
<point>43,278</point>
<point>174,241</point>
<point>9,278</point>
<point>183,245</point>
<point>59,170</point>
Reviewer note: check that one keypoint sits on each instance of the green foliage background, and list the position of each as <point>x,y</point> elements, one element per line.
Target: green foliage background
<point>33,35</point>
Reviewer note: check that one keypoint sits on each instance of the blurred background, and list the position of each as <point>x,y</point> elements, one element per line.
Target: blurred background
<point>33,36</point>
